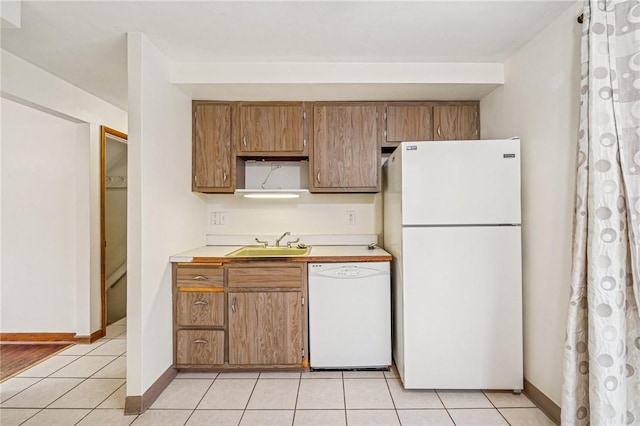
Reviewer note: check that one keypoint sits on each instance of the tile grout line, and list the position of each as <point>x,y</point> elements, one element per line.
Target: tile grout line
<point>201,398</point>
<point>32,384</point>
<point>249,399</point>
<point>445,407</point>
<point>34,414</point>
<point>495,407</point>
<point>295,405</point>
<point>393,401</point>
<point>344,399</point>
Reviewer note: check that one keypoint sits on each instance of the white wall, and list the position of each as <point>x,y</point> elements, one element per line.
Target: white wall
<point>29,85</point>
<point>39,188</point>
<point>539,103</point>
<point>310,214</point>
<point>165,217</point>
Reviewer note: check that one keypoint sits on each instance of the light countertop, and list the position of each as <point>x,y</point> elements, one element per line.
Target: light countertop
<point>348,253</point>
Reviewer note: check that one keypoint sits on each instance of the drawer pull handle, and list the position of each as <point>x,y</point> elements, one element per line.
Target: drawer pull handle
<point>224,176</point>
<point>439,131</point>
<point>200,302</point>
<point>233,305</point>
<point>200,341</point>
<point>244,140</point>
<point>200,278</point>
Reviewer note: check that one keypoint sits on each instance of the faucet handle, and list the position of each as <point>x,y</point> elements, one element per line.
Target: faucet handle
<point>292,242</point>
<point>264,243</point>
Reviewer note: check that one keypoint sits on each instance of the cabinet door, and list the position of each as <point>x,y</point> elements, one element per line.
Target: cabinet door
<point>456,122</point>
<point>272,129</point>
<point>212,156</point>
<point>265,328</point>
<point>346,148</point>
<point>409,122</point>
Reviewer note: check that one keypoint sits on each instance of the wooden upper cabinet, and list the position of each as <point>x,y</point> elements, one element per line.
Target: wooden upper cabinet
<point>346,147</point>
<point>456,122</point>
<point>213,164</point>
<point>272,129</point>
<point>408,122</point>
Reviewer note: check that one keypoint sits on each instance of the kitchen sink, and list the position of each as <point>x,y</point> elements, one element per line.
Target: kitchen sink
<point>258,251</point>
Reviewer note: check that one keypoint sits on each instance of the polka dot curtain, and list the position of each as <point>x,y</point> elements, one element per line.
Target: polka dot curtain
<point>602,353</point>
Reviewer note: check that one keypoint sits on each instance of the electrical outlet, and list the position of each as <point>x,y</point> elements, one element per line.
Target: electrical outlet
<point>351,217</point>
<point>219,218</point>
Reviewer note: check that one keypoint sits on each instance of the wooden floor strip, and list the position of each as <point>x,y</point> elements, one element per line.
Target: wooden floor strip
<point>16,357</point>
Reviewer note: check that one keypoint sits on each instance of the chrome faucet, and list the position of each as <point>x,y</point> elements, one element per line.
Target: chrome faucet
<point>281,237</point>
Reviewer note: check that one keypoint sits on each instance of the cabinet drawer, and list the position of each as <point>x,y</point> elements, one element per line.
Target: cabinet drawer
<point>200,347</point>
<point>266,277</point>
<point>200,275</point>
<point>200,308</point>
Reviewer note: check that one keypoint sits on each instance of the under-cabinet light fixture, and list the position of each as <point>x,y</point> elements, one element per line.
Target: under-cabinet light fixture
<point>272,193</point>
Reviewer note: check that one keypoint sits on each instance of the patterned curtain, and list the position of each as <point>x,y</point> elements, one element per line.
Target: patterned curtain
<point>602,353</point>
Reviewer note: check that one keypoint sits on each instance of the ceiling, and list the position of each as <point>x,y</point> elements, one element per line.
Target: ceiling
<point>84,42</point>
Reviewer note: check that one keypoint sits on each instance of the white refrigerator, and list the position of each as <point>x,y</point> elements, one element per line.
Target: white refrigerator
<point>452,224</point>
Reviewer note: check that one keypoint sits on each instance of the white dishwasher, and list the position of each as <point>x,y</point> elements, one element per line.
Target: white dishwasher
<point>349,315</point>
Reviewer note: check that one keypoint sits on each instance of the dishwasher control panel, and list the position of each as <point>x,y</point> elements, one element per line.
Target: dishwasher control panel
<point>349,272</point>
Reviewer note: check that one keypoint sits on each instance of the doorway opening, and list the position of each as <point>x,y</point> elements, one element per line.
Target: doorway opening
<point>113,225</point>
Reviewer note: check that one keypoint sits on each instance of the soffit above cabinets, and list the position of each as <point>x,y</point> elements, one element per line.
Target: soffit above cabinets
<point>338,81</point>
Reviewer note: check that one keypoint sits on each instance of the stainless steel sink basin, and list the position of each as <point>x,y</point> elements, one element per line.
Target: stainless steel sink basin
<point>258,251</point>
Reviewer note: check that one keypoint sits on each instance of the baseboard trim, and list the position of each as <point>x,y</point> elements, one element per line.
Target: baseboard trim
<point>89,339</point>
<point>37,337</point>
<point>138,404</point>
<point>543,402</point>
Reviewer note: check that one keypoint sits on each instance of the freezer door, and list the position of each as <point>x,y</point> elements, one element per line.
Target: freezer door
<point>462,310</point>
<point>461,182</point>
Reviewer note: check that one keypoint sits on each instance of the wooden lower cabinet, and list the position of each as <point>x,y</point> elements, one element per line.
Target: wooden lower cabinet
<point>265,328</point>
<point>238,316</point>
<point>200,347</point>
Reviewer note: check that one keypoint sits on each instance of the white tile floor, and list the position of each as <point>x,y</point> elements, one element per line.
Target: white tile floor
<point>85,385</point>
